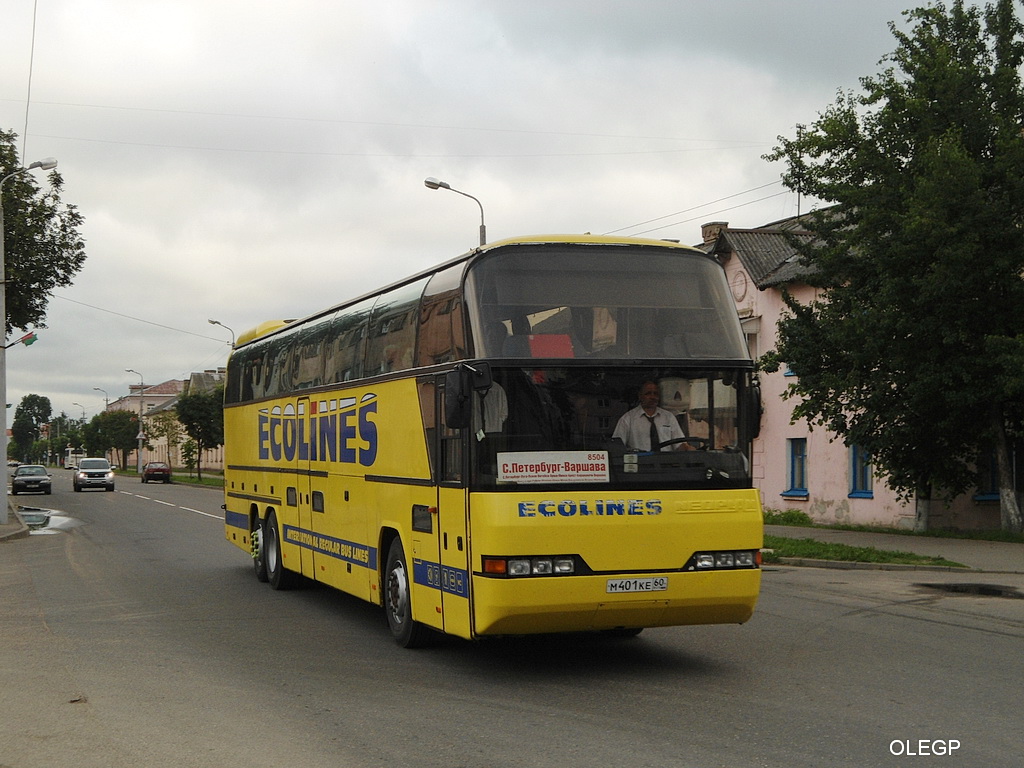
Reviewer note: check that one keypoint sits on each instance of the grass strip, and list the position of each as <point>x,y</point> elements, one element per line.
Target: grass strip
<point>810,549</point>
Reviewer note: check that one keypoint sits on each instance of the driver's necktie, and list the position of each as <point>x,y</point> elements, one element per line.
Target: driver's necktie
<point>655,440</point>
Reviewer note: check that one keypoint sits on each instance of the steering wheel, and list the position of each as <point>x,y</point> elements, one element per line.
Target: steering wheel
<point>700,442</point>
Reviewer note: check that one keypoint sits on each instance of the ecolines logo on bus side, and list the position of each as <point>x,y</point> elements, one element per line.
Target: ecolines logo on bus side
<point>334,430</point>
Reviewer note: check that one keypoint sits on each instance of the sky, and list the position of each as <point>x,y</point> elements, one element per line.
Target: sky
<point>246,160</point>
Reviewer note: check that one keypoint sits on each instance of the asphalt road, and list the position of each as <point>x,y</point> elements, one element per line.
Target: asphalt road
<point>133,634</point>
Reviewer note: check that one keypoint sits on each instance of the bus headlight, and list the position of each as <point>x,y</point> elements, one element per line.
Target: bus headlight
<point>518,568</point>
<point>561,565</point>
<point>724,561</point>
<point>744,559</point>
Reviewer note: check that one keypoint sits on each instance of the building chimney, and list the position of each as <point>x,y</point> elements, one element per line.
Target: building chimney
<point>712,230</point>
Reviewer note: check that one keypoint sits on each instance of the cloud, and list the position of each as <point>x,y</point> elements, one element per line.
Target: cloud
<point>253,160</point>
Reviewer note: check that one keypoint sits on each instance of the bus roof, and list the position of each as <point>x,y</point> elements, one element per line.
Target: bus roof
<point>584,239</point>
<point>268,326</point>
<point>271,326</point>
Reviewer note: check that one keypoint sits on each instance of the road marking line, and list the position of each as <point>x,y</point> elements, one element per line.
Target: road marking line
<point>204,514</point>
<point>170,504</point>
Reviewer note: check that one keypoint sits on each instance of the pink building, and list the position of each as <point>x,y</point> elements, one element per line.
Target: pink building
<point>794,467</point>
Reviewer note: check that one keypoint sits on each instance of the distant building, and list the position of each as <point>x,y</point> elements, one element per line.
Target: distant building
<point>148,397</point>
<point>161,399</point>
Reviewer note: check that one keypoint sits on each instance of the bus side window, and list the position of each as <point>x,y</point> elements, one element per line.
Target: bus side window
<point>441,334</point>
<point>345,344</point>
<point>393,326</point>
<point>428,412</point>
<point>451,442</point>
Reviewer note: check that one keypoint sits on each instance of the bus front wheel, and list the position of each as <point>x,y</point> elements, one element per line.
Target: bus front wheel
<point>398,601</point>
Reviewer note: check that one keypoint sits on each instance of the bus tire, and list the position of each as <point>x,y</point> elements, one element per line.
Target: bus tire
<point>278,576</point>
<point>398,601</point>
<point>259,557</point>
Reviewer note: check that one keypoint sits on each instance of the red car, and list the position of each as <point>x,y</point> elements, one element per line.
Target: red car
<point>156,470</point>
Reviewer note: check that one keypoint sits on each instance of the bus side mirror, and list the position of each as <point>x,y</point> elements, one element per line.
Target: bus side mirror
<point>459,386</point>
<point>752,406</point>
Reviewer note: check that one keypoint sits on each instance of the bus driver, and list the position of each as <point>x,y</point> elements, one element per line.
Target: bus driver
<point>647,427</point>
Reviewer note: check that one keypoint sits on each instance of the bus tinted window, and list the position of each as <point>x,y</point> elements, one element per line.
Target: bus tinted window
<point>392,337</point>
<point>344,350</point>
<point>587,301</point>
<point>442,335</point>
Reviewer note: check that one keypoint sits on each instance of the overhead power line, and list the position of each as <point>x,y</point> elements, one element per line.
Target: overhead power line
<point>136,319</point>
<point>696,207</point>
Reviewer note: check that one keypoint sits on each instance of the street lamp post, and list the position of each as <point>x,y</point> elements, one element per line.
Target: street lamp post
<point>431,183</point>
<point>218,322</point>
<point>46,164</point>
<point>106,407</point>
<point>83,412</point>
<point>142,435</point>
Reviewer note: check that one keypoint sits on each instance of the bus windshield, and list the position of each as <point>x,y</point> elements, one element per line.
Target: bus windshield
<point>602,302</point>
<point>576,426</point>
<point>574,332</point>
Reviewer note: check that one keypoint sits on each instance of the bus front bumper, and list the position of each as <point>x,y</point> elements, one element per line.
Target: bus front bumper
<point>583,603</point>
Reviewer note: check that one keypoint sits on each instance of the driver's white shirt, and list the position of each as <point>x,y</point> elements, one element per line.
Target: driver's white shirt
<point>635,431</point>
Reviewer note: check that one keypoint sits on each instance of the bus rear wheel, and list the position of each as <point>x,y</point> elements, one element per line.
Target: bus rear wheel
<point>270,547</point>
<point>259,557</point>
<point>398,601</point>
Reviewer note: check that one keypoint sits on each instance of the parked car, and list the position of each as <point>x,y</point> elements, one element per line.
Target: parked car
<point>157,471</point>
<point>30,478</point>
<point>94,473</point>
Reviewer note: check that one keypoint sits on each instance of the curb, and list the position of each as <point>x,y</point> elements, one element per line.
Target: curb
<point>17,525</point>
<point>850,565</point>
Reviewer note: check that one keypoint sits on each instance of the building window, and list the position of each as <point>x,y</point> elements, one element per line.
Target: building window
<point>988,478</point>
<point>751,326</point>
<point>797,452</point>
<point>861,476</point>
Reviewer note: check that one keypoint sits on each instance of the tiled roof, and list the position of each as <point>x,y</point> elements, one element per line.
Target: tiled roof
<point>204,381</point>
<point>767,255</point>
<point>172,387</point>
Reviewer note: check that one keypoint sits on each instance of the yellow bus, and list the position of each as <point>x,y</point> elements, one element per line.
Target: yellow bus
<point>450,447</point>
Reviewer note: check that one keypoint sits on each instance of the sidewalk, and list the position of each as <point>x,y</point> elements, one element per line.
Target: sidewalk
<point>14,528</point>
<point>989,556</point>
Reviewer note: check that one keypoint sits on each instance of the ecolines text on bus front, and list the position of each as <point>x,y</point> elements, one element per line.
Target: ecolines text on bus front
<point>338,431</point>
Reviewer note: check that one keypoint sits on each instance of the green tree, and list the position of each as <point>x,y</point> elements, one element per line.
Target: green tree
<point>43,247</point>
<point>166,425</point>
<point>202,416</point>
<point>914,348</point>
<point>58,430</point>
<point>29,417</point>
<point>188,455</point>
<point>115,431</point>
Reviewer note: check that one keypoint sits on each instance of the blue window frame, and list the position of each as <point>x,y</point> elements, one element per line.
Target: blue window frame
<point>797,452</point>
<point>861,475</point>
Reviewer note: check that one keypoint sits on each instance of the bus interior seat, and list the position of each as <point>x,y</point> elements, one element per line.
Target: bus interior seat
<point>556,345</point>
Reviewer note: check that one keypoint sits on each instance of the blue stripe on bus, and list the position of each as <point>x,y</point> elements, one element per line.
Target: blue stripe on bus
<point>236,520</point>
<point>453,581</point>
<point>349,551</point>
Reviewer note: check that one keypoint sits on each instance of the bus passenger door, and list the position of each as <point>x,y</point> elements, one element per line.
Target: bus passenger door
<point>302,488</point>
<point>439,531</point>
<point>452,516</point>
